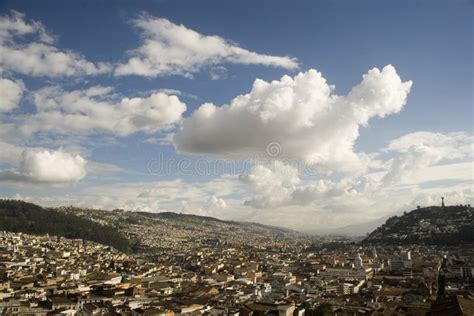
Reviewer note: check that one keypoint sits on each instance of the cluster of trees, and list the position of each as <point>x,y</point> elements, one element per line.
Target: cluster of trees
<point>323,309</point>
<point>28,218</point>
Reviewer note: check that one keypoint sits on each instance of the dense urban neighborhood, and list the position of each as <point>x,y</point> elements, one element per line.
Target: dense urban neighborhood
<point>186,264</point>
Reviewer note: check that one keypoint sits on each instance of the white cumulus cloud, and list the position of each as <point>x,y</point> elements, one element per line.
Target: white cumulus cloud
<point>420,150</point>
<point>171,49</point>
<point>47,166</point>
<point>98,109</point>
<point>277,184</point>
<point>272,184</point>
<point>39,56</point>
<point>218,202</point>
<point>301,114</point>
<point>422,164</point>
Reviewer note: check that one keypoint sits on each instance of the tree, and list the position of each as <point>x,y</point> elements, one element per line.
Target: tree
<point>324,309</point>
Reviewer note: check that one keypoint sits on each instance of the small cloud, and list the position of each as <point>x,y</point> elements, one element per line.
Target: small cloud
<point>40,57</point>
<point>218,202</point>
<point>167,139</point>
<point>11,92</point>
<point>44,166</point>
<point>218,72</point>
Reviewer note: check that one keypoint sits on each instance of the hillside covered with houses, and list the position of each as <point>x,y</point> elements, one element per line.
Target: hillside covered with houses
<point>434,225</point>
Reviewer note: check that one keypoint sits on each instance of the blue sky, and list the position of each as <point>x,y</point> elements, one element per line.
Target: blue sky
<point>427,43</point>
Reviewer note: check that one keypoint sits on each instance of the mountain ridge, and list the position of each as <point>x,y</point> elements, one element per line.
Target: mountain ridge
<point>169,214</point>
<point>130,231</point>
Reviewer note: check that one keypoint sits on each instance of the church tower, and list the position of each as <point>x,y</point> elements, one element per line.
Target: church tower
<point>358,262</point>
<point>374,253</point>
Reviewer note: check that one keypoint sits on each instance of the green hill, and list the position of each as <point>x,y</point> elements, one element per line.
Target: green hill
<point>19,216</point>
<point>434,225</point>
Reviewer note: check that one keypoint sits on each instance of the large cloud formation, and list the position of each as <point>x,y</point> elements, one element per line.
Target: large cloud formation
<point>302,115</point>
<point>171,49</point>
<point>45,166</point>
<point>97,109</point>
<point>39,57</point>
<point>420,158</point>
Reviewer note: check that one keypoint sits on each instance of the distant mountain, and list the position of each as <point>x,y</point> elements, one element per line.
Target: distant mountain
<point>19,216</point>
<point>207,220</point>
<point>354,230</point>
<point>434,225</point>
<point>181,217</point>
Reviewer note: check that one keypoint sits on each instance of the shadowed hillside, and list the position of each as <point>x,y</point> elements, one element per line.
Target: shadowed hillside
<point>434,225</point>
<point>19,216</point>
